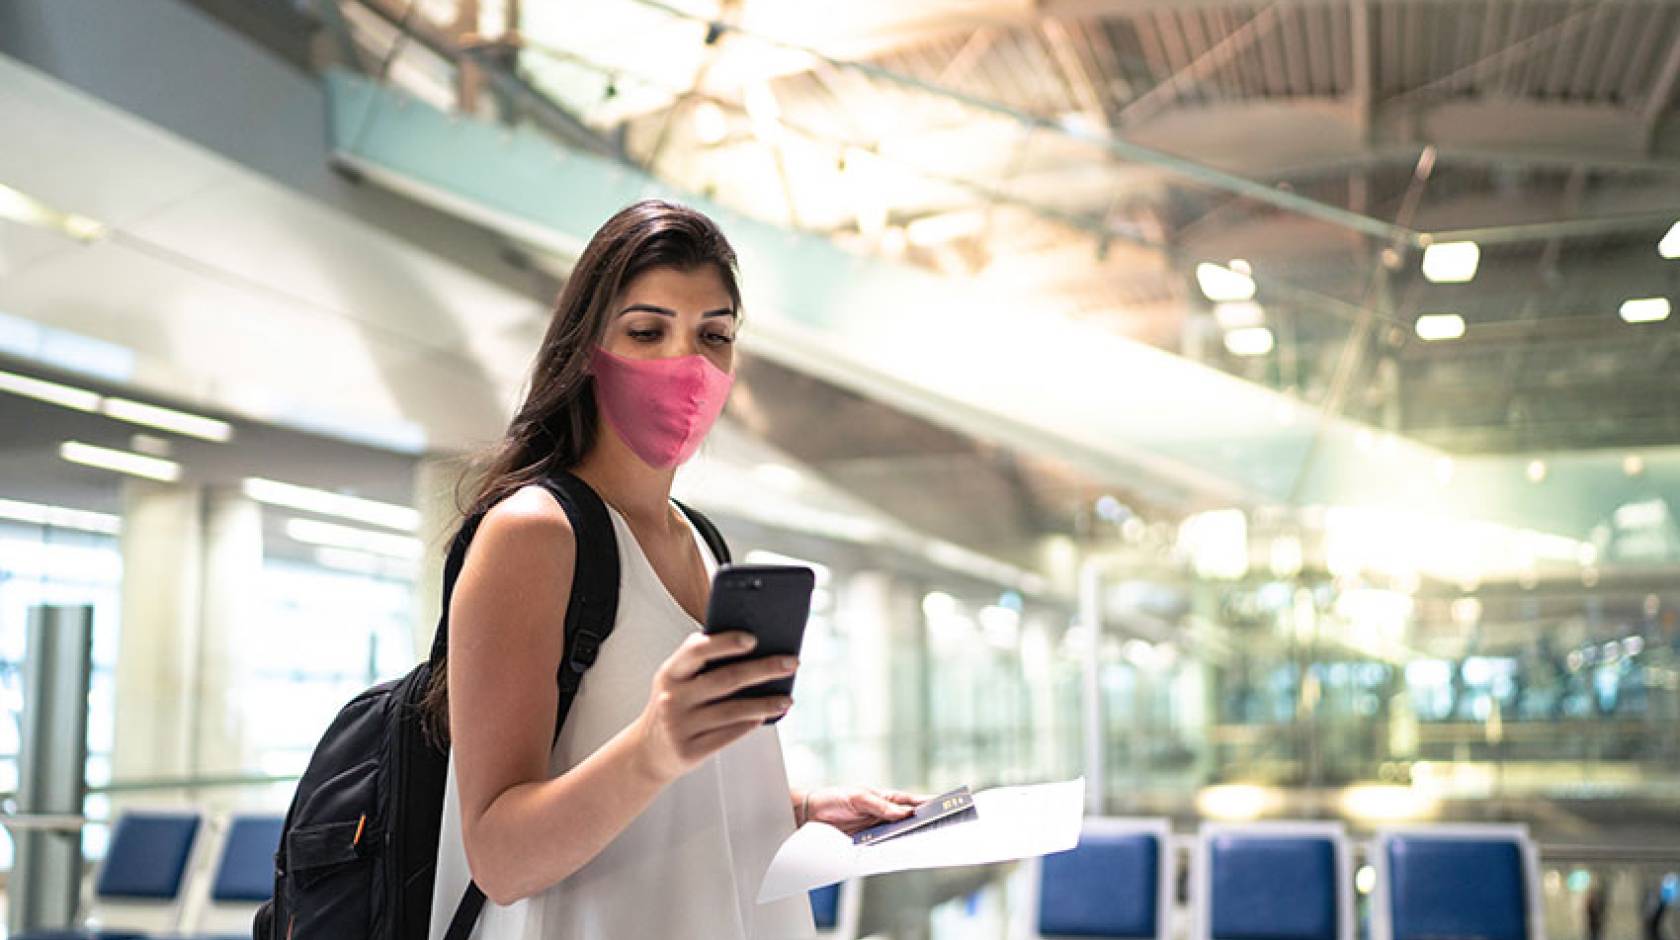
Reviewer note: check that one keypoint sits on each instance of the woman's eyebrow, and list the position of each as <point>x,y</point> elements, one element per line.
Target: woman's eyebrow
<point>668,312</point>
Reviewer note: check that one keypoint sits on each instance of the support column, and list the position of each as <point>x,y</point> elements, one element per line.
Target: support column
<point>192,569</point>
<point>157,653</point>
<point>230,607</point>
<point>47,871</point>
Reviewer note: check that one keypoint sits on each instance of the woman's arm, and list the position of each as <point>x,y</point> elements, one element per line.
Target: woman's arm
<point>522,829</point>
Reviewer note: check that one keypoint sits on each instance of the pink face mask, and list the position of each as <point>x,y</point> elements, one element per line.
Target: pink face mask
<point>662,408</point>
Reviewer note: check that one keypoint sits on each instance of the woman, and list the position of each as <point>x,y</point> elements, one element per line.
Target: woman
<point>659,808</point>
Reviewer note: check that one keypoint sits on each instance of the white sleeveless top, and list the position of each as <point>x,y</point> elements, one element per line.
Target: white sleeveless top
<point>690,865</point>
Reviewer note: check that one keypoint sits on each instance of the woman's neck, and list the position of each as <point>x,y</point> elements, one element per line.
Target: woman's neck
<point>640,493</point>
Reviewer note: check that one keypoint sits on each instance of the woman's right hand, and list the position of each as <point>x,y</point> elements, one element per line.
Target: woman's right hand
<point>689,715</point>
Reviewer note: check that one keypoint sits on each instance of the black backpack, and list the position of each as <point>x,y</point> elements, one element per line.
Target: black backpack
<point>358,852</point>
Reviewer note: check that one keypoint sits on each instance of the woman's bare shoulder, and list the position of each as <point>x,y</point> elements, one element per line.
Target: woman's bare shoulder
<point>527,525</point>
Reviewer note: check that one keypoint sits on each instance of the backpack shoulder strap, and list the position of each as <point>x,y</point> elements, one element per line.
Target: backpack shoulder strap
<point>590,614</point>
<point>593,606</point>
<point>708,531</point>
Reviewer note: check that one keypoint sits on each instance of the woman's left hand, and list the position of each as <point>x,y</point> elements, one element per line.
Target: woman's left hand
<point>851,809</point>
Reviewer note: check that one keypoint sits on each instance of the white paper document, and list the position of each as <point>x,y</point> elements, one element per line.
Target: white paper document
<point>1013,823</point>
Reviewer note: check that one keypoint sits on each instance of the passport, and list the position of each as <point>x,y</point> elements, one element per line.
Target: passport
<point>953,807</point>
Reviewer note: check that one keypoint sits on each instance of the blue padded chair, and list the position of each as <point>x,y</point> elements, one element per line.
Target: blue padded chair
<point>1272,881</point>
<point>1116,883</point>
<point>835,909</point>
<point>138,890</point>
<point>243,877</point>
<point>1468,882</point>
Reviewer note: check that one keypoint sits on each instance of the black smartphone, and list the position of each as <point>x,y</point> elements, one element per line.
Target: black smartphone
<point>772,602</point>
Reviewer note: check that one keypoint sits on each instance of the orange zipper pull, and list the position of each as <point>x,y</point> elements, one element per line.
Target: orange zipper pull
<point>360,825</point>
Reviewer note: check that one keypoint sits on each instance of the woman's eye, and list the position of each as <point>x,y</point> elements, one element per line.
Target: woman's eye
<point>719,339</point>
<point>644,336</point>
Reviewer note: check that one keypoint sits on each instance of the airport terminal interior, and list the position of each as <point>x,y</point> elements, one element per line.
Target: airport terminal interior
<point>1268,412</point>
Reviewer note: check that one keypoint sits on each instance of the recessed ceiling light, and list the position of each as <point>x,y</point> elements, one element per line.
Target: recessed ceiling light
<point>1250,341</point>
<point>1451,262</point>
<point>1645,309</point>
<point>121,461</point>
<point>1221,284</point>
<point>1434,327</point>
<point>1536,471</point>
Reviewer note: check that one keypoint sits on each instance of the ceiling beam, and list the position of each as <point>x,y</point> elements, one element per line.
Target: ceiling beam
<point>1122,148</point>
<point>1160,97</point>
<point>1362,95</point>
<point>1662,93</point>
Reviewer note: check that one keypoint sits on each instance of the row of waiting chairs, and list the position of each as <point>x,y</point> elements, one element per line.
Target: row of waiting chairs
<point>1259,881</point>
<point>177,875</point>
<point>1267,881</point>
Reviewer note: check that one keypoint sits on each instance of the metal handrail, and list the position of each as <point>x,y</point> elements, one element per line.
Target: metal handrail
<point>224,781</point>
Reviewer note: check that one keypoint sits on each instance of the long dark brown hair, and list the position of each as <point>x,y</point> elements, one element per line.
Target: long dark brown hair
<point>556,426</point>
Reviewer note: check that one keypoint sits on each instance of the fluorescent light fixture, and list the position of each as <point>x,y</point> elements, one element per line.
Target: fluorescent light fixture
<point>20,208</point>
<point>1221,284</point>
<point>1451,262</point>
<point>121,461</point>
<point>1434,327</point>
<point>1250,341</point>
<point>60,517</point>
<point>1240,314</point>
<point>123,409</point>
<point>309,499</point>
<point>333,535</point>
<point>1669,247</point>
<point>1646,309</point>
<point>711,125</point>
<point>167,419</point>
<point>23,208</point>
<point>50,392</point>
